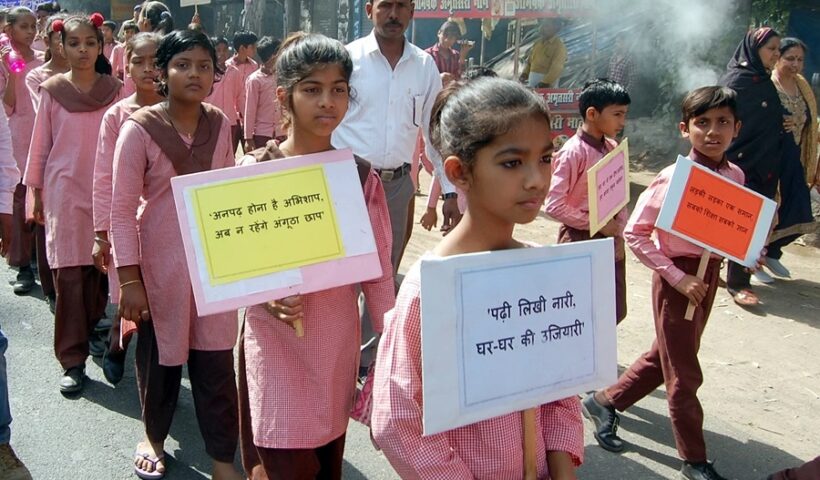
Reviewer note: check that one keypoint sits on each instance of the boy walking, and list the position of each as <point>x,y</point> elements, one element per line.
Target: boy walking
<point>710,124</point>
<point>604,105</point>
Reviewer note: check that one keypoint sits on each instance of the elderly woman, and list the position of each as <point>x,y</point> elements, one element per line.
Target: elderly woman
<point>799,162</point>
<point>758,149</point>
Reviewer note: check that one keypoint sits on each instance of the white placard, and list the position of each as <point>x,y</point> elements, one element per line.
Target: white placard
<point>191,3</point>
<point>510,330</point>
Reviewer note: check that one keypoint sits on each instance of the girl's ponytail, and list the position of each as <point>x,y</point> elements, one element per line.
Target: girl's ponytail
<point>166,24</point>
<point>101,65</point>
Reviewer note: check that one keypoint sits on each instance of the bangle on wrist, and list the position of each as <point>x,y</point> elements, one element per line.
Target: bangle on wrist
<point>130,282</point>
<point>102,240</point>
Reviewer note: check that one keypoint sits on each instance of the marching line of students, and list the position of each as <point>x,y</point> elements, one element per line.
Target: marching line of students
<point>99,169</point>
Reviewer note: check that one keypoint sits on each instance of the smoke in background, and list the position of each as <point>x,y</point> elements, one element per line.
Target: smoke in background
<point>687,43</point>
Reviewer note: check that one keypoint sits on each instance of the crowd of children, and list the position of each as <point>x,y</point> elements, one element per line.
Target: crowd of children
<point>98,129</point>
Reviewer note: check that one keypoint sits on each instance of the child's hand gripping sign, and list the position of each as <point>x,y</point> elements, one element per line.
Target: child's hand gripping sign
<point>717,214</point>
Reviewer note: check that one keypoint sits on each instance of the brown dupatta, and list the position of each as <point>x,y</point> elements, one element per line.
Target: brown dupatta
<point>196,158</point>
<point>64,92</point>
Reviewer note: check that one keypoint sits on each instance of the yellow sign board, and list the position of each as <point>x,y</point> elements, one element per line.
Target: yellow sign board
<point>266,224</point>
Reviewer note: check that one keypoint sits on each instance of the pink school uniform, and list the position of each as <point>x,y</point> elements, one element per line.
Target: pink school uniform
<point>107,49</point>
<point>151,239</point>
<point>301,390</point>
<point>227,93</point>
<point>63,148</point>
<point>33,80</point>
<point>491,449</point>
<point>21,116</point>
<point>9,174</point>
<point>568,201</point>
<point>117,59</point>
<point>103,176</point>
<point>262,114</point>
<point>245,71</point>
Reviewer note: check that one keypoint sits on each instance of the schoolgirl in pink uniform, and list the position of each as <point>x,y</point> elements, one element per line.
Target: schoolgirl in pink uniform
<point>262,111</point>
<point>21,27</point>
<point>140,53</point>
<point>55,61</point>
<point>495,137</point>
<point>296,393</point>
<point>178,136</point>
<point>117,58</point>
<point>60,170</point>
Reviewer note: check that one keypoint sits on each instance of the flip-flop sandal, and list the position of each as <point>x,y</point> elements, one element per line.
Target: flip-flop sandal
<point>145,474</point>
<point>744,298</point>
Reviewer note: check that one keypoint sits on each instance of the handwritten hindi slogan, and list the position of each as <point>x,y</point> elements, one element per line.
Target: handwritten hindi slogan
<point>284,221</point>
<point>608,184</point>
<point>523,333</point>
<point>716,213</point>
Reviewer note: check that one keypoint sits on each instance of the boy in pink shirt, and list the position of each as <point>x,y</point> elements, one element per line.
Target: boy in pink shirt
<point>604,105</point>
<point>244,45</point>
<point>109,42</point>
<point>710,124</point>
<point>262,115</point>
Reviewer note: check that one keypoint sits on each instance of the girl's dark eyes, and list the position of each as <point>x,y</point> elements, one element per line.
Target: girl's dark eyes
<point>547,158</point>
<point>511,163</point>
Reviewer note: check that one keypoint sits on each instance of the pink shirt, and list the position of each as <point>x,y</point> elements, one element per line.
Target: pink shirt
<point>117,59</point>
<point>656,248</point>
<point>151,239</point>
<point>245,69</point>
<point>21,115</point>
<point>107,49</point>
<point>103,172</point>
<point>228,94</point>
<point>33,80</point>
<point>491,449</point>
<point>9,174</point>
<point>568,198</point>
<point>63,146</point>
<point>301,390</point>
<point>262,116</point>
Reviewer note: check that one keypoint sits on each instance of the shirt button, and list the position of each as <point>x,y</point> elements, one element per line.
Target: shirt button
<point>740,155</point>
<point>764,104</point>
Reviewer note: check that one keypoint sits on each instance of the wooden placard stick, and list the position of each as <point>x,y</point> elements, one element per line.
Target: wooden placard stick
<point>297,325</point>
<point>530,446</point>
<point>704,262</point>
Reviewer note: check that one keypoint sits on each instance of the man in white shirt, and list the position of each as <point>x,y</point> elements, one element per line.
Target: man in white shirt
<point>394,84</point>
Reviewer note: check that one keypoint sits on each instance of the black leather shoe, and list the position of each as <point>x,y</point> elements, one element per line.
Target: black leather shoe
<point>72,381</point>
<point>699,471</point>
<point>24,282</point>
<point>606,423</point>
<point>113,366</point>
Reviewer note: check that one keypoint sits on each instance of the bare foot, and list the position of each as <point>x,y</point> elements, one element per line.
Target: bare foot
<point>225,471</point>
<point>147,459</point>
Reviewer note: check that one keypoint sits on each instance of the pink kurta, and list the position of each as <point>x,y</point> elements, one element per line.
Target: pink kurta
<point>9,174</point>
<point>491,449</point>
<point>63,146</point>
<point>301,390</point>
<point>262,115</point>
<point>655,248</point>
<point>33,80</point>
<point>568,198</point>
<point>117,59</point>
<point>228,94</point>
<point>103,172</point>
<point>107,49</point>
<point>245,71</point>
<point>152,240</point>
<point>21,115</point>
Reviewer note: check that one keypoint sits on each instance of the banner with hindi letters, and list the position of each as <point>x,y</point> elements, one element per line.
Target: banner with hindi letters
<point>510,330</point>
<point>716,213</point>
<point>608,186</point>
<point>502,8</point>
<point>262,232</point>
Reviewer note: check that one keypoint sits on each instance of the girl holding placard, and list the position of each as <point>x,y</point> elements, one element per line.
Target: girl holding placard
<point>296,394</point>
<point>179,136</point>
<point>495,138</point>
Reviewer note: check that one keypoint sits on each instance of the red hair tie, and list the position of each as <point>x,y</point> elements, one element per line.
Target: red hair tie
<point>57,25</point>
<point>97,19</point>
